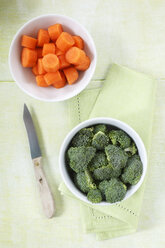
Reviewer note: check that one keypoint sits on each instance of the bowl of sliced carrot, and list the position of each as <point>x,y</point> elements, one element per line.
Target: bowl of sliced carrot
<point>52,58</point>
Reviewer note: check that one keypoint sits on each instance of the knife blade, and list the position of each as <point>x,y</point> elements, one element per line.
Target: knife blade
<point>44,189</point>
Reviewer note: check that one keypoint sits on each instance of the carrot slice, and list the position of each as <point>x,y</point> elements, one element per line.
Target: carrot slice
<point>28,42</point>
<point>28,57</point>
<point>35,70</point>
<point>84,65</point>
<point>43,37</point>
<point>60,84</point>
<point>41,81</point>
<point>71,75</point>
<point>75,55</point>
<point>53,77</point>
<point>48,48</point>
<point>39,52</point>
<point>58,51</point>
<point>51,62</point>
<point>63,62</point>
<point>55,31</point>
<point>64,41</point>
<point>41,70</point>
<point>78,42</point>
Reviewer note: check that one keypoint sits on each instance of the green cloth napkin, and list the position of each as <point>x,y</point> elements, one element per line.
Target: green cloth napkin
<point>128,96</point>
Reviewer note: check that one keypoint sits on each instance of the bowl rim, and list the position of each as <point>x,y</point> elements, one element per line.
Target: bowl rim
<point>13,42</point>
<point>94,121</point>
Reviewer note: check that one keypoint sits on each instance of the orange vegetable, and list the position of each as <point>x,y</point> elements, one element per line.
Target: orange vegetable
<point>28,42</point>
<point>51,62</point>
<point>84,65</point>
<point>48,48</point>
<point>35,70</point>
<point>63,62</point>
<point>54,77</point>
<point>61,83</point>
<point>41,81</point>
<point>75,55</point>
<point>55,31</point>
<point>71,75</point>
<point>41,70</point>
<point>58,51</point>
<point>64,41</point>
<point>43,37</point>
<point>28,57</point>
<point>78,42</point>
<point>39,52</point>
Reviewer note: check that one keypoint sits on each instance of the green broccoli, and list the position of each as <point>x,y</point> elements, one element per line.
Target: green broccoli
<point>106,172</point>
<point>83,137</point>
<point>115,190</point>
<point>100,140</point>
<point>100,127</point>
<point>84,181</point>
<point>79,157</point>
<point>99,160</point>
<point>116,157</point>
<point>119,137</point>
<point>94,196</point>
<point>133,170</point>
<point>132,150</point>
<point>103,186</point>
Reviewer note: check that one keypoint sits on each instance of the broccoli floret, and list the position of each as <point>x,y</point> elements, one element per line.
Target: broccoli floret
<point>84,181</point>
<point>79,157</point>
<point>116,157</point>
<point>103,186</point>
<point>100,140</point>
<point>133,170</point>
<point>99,160</point>
<point>115,190</point>
<point>100,127</point>
<point>94,195</point>
<point>119,137</point>
<point>106,172</point>
<point>83,137</point>
<point>132,150</point>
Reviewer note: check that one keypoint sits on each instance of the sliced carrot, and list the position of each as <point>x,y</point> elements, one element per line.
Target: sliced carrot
<point>41,81</point>
<point>60,84</point>
<point>28,57</point>
<point>78,42</point>
<point>41,70</point>
<point>39,52</point>
<point>43,37</point>
<point>48,48</point>
<point>84,65</point>
<point>54,77</point>
<point>64,41</point>
<point>71,75</point>
<point>35,70</point>
<point>55,31</point>
<point>63,62</point>
<point>51,62</point>
<point>58,51</point>
<point>28,42</point>
<point>75,55</point>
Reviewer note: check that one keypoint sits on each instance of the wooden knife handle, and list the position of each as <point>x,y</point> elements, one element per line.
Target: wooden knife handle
<point>45,192</point>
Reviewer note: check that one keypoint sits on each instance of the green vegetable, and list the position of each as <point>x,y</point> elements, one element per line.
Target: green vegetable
<point>115,190</point>
<point>131,150</point>
<point>106,172</point>
<point>133,170</point>
<point>119,137</point>
<point>84,181</point>
<point>100,140</point>
<point>94,195</point>
<point>100,127</point>
<point>99,160</point>
<point>83,137</point>
<point>116,157</point>
<point>79,157</point>
<point>103,186</point>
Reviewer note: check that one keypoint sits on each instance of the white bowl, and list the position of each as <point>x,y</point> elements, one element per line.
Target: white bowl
<point>112,122</point>
<point>24,76</point>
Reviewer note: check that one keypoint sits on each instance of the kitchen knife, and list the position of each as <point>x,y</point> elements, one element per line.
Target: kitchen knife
<point>45,193</point>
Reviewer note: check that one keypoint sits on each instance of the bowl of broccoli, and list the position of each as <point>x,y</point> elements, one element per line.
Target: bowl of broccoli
<point>103,161</point>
